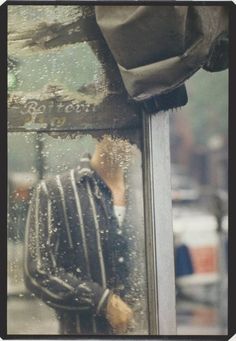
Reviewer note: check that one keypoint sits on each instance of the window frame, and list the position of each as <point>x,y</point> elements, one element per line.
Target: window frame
<point>158,223</point>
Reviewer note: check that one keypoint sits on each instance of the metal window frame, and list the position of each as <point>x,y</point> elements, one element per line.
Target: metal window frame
<point>158,224</point>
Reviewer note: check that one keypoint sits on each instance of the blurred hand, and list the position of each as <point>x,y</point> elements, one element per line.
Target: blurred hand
<point>119,314</point>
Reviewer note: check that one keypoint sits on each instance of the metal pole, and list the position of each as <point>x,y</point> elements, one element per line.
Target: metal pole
<point>158,222</point>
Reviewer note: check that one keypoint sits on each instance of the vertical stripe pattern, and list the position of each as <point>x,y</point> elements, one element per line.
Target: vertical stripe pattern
<point>78,206</point>
<point>95,217</point>
<point>60,262</point>
<point>64,209</point>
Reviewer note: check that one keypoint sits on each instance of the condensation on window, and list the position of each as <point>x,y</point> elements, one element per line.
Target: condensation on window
<point>58,91</point>
<point>36,157</point>
<point>54,72</point>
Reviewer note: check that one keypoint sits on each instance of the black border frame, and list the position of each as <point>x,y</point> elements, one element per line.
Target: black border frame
<point>3,169</point>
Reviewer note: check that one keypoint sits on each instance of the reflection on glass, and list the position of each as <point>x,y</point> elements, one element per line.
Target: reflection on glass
<point>84,250</point>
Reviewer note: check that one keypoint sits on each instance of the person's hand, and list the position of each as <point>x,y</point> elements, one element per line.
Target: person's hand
<point>119,314</point>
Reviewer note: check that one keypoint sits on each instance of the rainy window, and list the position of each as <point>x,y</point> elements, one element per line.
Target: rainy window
<point>36,156</point>
<point>76,246</point>
<point>76,234</point>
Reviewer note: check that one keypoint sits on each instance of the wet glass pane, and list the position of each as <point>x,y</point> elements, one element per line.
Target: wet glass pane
<point>84,255</point>
<point>60,73</point>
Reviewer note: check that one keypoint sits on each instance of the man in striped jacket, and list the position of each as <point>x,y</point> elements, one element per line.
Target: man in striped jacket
<point>79,258</point>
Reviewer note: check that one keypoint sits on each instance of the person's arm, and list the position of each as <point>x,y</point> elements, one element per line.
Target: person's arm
<point>56,286</point>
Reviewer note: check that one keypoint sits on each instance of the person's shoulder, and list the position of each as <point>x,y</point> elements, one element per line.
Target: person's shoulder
<point>70,177</point>
<point>52,182</point>
<point>84,170</point>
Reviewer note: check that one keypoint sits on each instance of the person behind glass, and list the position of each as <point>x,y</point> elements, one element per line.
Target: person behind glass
<point>78,255</point>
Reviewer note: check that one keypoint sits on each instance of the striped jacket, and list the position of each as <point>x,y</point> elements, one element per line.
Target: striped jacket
<point>75,251</point>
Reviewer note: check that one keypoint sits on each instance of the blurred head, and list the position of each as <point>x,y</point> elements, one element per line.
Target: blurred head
<point>116,150</point>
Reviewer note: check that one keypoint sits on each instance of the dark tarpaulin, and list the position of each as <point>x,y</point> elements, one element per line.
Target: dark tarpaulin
<point>158,47</point>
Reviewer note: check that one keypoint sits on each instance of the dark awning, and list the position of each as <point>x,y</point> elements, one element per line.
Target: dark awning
<point>158,47</point>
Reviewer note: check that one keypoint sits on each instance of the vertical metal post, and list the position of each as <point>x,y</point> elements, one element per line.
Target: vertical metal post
<point>158,222</point>
<point>223,283</point>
